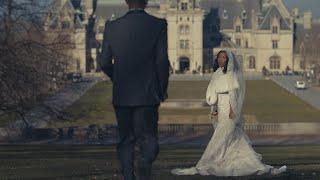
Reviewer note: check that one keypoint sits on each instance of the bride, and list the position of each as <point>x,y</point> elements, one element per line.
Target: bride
<point>229,151</point>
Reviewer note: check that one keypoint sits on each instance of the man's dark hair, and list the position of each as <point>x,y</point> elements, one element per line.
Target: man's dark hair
<point>137,1</point>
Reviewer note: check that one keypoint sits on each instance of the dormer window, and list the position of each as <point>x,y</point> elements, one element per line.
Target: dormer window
<point>244,14</point>
<point>275,30</point>
<point>225,14</point>
<point>100,29</point>
<point>113,17</point>
<point>238,28</point>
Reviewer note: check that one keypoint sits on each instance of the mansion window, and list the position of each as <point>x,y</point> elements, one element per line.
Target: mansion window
<point>238,42</point>
<point>247,44</point>
<point>187,29</point>
<point>184,29</point>
<point>184,6</point>
<point>238,29</point>
<point>239,58</point>
<point>275,30</point>
<point>184,44</point>
<point>252,62</point>
<point>181,29</point>
<point>65,25</point>
<point>274,44</point>
<point>302,64</point>
<point>78,64</point>
<point>275,62</point>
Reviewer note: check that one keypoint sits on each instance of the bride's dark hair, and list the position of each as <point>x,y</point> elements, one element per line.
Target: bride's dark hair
<point>216,64</point>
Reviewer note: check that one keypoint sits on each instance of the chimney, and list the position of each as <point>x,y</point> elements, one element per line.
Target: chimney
<point>307,20</point>
<point>254,19</point>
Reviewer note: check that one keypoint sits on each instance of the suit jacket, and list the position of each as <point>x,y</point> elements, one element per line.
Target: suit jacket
<point>137,42</point>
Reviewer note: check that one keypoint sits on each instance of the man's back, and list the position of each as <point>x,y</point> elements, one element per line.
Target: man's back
<point>138,43</point>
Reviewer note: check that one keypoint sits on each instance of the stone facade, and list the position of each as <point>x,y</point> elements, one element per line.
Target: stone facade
<point>185,34</point>
<point>261,33</point>
<point>185,30</point>
<point>65,20</point>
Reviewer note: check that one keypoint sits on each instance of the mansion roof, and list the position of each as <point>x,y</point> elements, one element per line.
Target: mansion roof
<point>228,11</point>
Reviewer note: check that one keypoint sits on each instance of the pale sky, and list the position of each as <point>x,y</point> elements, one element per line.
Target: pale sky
<point>303,5</point>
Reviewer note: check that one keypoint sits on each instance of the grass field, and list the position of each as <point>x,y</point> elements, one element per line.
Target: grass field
<point>100,162</point>
<point>265,100</point>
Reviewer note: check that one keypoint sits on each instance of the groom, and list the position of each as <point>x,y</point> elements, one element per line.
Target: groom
<point>134,56</point>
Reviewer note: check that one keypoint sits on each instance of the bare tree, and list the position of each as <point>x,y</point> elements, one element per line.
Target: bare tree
<point>33,63</point>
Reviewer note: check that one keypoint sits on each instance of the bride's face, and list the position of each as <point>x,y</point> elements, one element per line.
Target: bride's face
<point>222,58</point>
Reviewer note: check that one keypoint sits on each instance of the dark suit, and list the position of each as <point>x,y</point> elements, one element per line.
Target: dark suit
<point>137,42</point>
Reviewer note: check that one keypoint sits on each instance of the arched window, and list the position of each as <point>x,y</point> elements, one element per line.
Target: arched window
<point>252,62</point>
<point>275,62</point>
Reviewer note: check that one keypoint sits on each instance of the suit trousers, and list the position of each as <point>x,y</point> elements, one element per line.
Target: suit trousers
<point>137,125</point>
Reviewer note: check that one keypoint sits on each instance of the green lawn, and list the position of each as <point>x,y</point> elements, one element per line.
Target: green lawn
<point>271,103</point>
<point>264,99</point>
<point>100,162</point>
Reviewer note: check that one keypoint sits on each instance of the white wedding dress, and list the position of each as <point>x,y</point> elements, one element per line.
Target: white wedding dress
<point>229,151</point>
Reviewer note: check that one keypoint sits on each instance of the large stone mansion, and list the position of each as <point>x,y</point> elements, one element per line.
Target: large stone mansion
<point>263,32</point>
